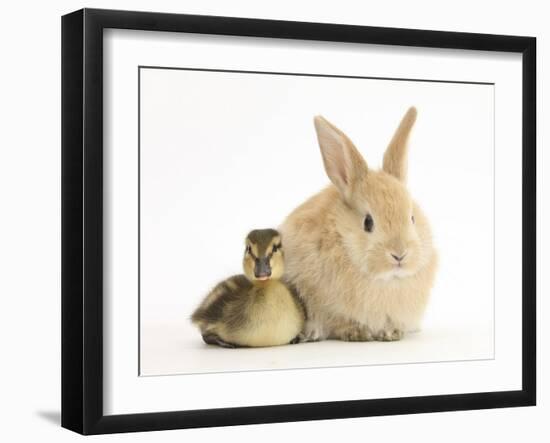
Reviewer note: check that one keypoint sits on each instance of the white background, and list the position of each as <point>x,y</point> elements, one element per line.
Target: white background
<point>29,174</point>
<point>223,153</point>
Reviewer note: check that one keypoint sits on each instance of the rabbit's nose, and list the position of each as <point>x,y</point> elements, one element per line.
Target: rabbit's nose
<point>398,258</point>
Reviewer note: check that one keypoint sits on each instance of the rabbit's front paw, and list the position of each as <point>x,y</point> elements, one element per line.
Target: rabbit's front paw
<point>300,338</point>
<point>309,334</point>
<point>354,332</point>
<point>390,334</point>
<point>358,334</point>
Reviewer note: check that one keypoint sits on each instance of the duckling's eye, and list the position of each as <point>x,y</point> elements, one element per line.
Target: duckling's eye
<point>412,219</point>
<point>368,224</point>
<point>248,249</point>
<point>276,248</point>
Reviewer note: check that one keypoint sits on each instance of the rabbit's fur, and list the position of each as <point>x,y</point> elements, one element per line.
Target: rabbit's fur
<point>352,287</point>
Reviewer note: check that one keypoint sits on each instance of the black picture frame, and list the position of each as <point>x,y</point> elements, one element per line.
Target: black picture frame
<point>82,220</point>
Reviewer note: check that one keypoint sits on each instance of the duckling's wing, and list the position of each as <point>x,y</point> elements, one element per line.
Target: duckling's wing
<point>224,294</point>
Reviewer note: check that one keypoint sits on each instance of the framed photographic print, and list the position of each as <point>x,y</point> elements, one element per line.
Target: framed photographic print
<point>269,221</point>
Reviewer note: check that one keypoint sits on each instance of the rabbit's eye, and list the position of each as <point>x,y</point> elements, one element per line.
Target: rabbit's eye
<point>412,219</point>
<point>368,223</point>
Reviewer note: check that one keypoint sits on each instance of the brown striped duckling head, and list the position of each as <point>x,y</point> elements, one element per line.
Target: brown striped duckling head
<point>263,257</point>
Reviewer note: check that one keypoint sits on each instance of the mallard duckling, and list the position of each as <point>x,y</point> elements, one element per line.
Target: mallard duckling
<point>257,308</point>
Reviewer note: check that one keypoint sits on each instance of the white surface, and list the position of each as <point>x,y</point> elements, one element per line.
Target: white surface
<point>126,392</point>
<point>223,153</point>
<point>444,343</point>
<point>29,238</point>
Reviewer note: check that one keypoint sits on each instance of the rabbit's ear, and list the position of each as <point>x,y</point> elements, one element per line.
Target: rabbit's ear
<point>343,163</point>
<point>395,158</point>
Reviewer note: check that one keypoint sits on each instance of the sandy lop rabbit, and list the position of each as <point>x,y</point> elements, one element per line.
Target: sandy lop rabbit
<point>360,252</point>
